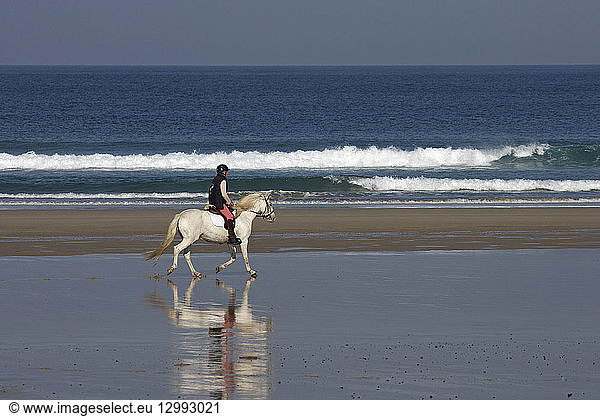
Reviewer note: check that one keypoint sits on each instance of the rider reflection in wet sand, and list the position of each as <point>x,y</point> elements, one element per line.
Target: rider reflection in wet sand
<point>217,196</point>
<point>232,359</point>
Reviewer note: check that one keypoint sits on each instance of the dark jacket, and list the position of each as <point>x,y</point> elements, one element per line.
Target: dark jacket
<point>215,197</point>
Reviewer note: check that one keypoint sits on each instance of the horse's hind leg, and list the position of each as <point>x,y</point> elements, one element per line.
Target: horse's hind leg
<point>173,287</point>
<point>188,293</point>
<point>186,242</point>
<point>228,262</point>
<point>187,253</point>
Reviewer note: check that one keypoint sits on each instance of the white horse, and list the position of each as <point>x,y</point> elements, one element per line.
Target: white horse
<point>194,224</point>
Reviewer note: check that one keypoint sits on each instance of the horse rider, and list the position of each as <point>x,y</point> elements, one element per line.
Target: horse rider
<point>217,196</point>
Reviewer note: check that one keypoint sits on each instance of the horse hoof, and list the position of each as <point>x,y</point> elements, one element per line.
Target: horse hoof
<point>170,270</point>
<point>253,275</point>
<point>218,269</point>
<point>198,276</point>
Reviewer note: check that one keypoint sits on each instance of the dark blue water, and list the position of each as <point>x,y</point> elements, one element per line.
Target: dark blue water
<point>375,135</point>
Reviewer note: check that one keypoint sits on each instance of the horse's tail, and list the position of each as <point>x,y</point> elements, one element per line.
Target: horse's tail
<point>167,240</point>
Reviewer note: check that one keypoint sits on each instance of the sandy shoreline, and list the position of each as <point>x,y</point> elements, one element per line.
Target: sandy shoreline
<point>72,232</point>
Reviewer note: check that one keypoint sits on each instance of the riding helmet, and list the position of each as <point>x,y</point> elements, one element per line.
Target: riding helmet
<point>222,168</point>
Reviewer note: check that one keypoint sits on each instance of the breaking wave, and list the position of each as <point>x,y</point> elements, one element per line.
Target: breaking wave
<point>123,195</point>
<point>344,157</point>
<point>423,184</point>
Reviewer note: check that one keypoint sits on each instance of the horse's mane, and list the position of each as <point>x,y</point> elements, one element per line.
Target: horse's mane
<point>247,202</point>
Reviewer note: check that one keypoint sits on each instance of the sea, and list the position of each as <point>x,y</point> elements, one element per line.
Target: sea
<point>372,136</point>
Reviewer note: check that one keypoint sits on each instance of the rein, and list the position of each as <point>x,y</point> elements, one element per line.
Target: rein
<point>264,214</point>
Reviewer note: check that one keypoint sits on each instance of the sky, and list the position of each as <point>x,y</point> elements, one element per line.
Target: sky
<point>302,32</point>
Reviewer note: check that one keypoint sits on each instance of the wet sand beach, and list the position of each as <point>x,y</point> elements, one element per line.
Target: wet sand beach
<point>483,324</point>
<point>349,304</point>
<point>70,231</point>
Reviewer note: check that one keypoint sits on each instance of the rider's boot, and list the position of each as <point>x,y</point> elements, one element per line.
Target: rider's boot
<point>229,224</point>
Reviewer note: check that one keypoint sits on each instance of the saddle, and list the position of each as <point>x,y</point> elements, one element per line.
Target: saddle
<point>212,209</point>
<point>219,220</point>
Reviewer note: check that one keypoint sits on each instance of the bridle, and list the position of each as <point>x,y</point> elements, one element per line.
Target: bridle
<point>268,207</point>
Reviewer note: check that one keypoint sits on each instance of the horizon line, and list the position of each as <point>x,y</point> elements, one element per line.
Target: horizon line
<point>297,65</point>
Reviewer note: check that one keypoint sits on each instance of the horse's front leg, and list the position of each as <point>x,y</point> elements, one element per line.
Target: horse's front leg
<point>244,247</point>
<point>228,262</point>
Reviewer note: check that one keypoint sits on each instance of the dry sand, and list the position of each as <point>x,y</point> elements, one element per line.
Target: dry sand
<point>71,232</point>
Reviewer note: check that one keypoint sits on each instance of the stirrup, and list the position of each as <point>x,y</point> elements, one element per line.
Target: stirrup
<point>235,241</point>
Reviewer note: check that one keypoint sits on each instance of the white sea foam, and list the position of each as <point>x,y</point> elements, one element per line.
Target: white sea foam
<point>345,157</point>
<point>98,196</point>
<point>455,201</point>
<point>423,184</point>
<point>458,202</point>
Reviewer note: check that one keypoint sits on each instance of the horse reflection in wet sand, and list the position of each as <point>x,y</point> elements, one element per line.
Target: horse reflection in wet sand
<point>236,363</point>
<point>195,224</point>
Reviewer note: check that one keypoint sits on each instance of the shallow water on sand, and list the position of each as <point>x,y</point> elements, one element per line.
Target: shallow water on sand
<point>461,324</point>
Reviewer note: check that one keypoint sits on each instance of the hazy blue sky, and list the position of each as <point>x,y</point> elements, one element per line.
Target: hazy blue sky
<point>303,32</point>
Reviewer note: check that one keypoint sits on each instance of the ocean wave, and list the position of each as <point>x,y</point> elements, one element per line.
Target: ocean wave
<point>344,157</point>
<point>423,184</point>
<point>454,201</point>
<point>437,203</point>
<point>99,196</point>
<point>562,156</point>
